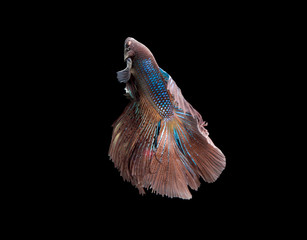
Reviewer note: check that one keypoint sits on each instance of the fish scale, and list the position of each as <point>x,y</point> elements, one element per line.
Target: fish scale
<point>154,85</point>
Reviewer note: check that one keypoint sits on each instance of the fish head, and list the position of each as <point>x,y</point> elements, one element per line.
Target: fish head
<point>134,48</point>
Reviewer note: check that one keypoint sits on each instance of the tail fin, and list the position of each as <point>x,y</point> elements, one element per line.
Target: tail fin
<point>166,155</point>
<point>183,155</point>
<point>148,153</point>
<point>171,172</point>
<point>199,148</point>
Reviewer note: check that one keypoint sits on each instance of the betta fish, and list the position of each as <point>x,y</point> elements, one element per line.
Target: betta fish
<point>160,142</point>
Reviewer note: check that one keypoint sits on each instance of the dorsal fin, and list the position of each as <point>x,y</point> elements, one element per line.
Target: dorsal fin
<point>181,103</point>
<point>165,75</point>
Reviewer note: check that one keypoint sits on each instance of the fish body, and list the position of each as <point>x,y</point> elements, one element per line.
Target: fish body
<point>160,141</point>
<point>152,85</point>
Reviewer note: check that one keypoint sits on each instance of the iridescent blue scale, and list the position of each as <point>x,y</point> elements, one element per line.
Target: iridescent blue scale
<point>155,85</point>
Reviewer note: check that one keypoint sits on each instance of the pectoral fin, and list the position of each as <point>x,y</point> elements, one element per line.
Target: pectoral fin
<point>123,76</point>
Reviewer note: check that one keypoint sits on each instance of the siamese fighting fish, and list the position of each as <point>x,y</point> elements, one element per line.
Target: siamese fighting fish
<point>160,142</point>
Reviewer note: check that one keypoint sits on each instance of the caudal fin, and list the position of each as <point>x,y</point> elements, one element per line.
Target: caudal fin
<point>199,148</point>
<point>183,155</point>
<point>166,155</point>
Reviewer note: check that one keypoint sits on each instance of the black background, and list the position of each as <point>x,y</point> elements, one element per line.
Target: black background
<point>221,60</point>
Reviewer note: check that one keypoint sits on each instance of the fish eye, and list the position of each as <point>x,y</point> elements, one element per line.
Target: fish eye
<point>127,45</point>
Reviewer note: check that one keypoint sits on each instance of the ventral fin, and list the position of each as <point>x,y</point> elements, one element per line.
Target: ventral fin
<point>123,76</point>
